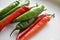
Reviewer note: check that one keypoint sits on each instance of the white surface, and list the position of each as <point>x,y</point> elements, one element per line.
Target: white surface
<point>51,30</point>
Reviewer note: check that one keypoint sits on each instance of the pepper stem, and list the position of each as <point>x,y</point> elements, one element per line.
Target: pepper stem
<point>45,9</point>
<point>51,15</point>
<point>13,31</point>
<point>35,5</point>
<point>27,2</point>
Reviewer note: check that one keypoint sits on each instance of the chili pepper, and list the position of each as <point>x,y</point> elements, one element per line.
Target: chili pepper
<point>8,13</point>
<point>23,24</point>
<point>27,2</point>
<point>9,7</point>
<point>34,12</point>
<point>36,28</point>
<point>12,16</point>
<point>29,27</point>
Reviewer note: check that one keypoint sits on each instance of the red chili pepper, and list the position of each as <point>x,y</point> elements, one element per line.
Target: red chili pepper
<point>37,20</point>
<point>36,28</point>
<point>13,16</point>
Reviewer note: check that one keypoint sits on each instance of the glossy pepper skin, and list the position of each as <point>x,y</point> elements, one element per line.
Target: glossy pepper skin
<point>23,25</point>
<point>9,7</point>
<point>36,28</point>
<point>8,13</point>
<point>34,12</point>
<point>27,2</point>
<point>13,16</point>
<point>30,26</point>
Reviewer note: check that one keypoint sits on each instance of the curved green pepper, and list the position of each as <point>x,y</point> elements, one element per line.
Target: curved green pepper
<point>23,25</point>
<point>34,12</point>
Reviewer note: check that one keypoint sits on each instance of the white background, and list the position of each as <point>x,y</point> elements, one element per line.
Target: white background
<point>51,30</point>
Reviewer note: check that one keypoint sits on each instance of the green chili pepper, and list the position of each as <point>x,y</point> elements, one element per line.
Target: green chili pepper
<point>9,7</point>
<point>27,2</point>
<point>23,24</point>
<point>34,12</point>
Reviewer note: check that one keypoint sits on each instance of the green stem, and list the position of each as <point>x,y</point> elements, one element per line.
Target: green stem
<point>45,9</point>
<point>51,15</point>
<point>13,31</point>
<point>35,5</point>
<point>27,2</point>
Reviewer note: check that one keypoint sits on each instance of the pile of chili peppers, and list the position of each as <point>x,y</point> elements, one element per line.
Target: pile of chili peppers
<point>29,23</point>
